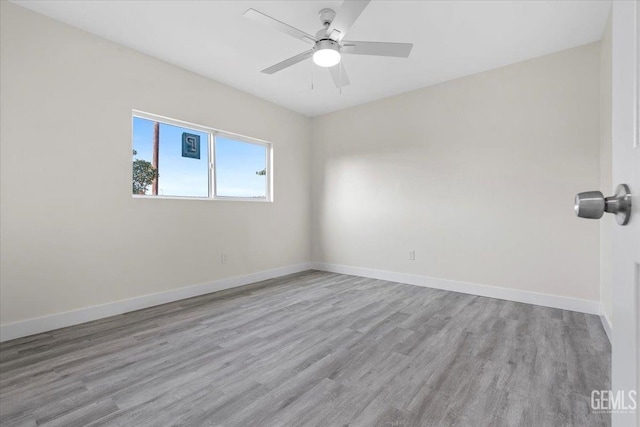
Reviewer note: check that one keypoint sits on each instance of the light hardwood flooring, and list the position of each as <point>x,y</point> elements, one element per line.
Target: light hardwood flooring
<point>313,349</point>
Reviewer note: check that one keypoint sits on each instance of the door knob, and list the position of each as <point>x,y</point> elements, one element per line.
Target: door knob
<point>593,204</point>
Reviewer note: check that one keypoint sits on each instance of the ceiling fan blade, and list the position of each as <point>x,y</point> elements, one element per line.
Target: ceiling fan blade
<point>346,16</point>
<point>278,25</point>
<point>401,50</point>
<point>288,62</point>
<point>339,75</point>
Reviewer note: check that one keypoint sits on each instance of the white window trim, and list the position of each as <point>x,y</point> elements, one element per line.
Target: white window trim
<point>212,132</point>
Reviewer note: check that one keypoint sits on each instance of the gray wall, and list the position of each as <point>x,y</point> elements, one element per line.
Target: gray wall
<point>477,175</point>
<point>72,235</point>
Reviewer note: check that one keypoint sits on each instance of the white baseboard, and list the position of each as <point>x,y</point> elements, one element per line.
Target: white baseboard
<point>528,297</point>
<point>606,324</point>
<point>69,318</point>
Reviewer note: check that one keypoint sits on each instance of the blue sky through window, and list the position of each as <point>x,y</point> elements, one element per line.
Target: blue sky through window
<point>236,163</point>
<point>236,166</point>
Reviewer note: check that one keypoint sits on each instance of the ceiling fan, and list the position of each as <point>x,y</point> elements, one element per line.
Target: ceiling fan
<point>328,43</point>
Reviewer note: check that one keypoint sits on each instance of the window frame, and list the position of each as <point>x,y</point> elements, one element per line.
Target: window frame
<point>211,161</point>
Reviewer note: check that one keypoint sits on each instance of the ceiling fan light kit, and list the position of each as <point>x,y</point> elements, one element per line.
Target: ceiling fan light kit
<point>328,42</point>
<point>327,53</point>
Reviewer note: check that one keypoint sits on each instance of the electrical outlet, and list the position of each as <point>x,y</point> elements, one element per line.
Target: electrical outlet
<point>224,257</point>
<point>412,255</point>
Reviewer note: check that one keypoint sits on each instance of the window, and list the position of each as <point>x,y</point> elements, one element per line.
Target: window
<point>175,159</point>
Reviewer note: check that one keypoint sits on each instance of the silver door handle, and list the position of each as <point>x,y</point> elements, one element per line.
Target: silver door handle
<point>593,204</point>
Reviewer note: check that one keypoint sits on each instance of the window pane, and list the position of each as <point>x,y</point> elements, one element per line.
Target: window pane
<point>183,160</point>
<point>240,168</point>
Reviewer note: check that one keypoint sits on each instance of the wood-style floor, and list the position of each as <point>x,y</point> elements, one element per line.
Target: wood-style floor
<point>313,349</point>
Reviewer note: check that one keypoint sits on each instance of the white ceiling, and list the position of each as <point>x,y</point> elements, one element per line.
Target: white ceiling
<point>451,39</point>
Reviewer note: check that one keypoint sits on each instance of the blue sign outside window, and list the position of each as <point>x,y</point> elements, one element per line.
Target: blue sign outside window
<point>190,145</point>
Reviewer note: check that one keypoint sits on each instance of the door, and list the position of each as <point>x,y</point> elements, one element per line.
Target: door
<point>626,239</point>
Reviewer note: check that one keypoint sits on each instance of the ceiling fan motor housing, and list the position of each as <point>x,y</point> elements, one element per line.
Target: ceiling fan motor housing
<point>327,44</point>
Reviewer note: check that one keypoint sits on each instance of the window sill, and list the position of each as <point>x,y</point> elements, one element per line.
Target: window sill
<point>215,199</point>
